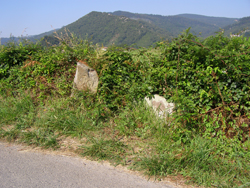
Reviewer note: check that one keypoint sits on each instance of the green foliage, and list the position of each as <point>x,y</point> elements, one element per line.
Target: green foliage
<point>121,80</point>
<point>207,80</point>
<point>206,138</point>
<point>12,108</point>
<point>45,71</point>
<point>105,149</point>
<point>203,160</point>
<point>12,55</point>
<point>137,120</point>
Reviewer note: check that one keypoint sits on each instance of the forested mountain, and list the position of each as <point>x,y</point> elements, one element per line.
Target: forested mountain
<point>108,29</point>
<point>141,29</point>
<point>176,24</point>
<point>240,27</point>
<point>216,21</point>
<point>121,27</point>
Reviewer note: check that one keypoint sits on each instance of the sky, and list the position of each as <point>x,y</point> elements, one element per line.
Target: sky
<point>32,17</point>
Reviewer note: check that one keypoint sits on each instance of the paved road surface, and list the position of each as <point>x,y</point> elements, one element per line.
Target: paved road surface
<point>33,169</point>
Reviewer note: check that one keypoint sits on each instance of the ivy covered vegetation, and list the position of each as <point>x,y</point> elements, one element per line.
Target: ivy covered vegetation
<point>206,139</point>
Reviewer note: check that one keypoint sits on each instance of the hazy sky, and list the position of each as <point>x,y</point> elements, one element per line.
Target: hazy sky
<point>31,17</point>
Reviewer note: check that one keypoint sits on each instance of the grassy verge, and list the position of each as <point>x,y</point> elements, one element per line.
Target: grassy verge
<point>134,137</point>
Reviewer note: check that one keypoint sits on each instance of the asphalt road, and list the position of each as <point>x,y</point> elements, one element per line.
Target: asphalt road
<point>33,169</point>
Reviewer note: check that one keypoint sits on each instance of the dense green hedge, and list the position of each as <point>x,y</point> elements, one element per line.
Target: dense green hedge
<point>122,80</point>
<point>13,55</point>
<point>208,80</point>
<point>43,71</point>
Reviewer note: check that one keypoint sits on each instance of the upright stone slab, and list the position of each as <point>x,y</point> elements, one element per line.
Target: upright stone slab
<point>160,105</point>
<point>86,78</point>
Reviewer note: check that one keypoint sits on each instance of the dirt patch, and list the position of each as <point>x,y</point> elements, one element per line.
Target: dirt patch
<point>8,127</point>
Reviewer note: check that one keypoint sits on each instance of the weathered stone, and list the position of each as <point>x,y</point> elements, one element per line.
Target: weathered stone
<point>160,105</point>
<point>86,78</point>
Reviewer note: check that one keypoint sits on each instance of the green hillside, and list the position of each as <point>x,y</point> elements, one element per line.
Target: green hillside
<point>242,25</point>
<point>178,23</point>
<point>39,36</point>
<point>125,28</point>
<point>107,29</point>
<point>217,21</point>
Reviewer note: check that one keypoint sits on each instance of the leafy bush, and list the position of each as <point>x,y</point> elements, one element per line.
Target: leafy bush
<point>122,80</point>
<point>208,81</point>
<point>15,54</point>
<point>44,71</point>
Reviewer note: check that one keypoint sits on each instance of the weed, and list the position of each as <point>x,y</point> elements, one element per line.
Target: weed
<point>105,149</point>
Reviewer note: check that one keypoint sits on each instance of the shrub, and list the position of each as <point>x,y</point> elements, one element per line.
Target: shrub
<point>209,82</point>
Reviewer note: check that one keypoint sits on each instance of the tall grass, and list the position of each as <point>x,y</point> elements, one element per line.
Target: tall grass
<point>135,136</point>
